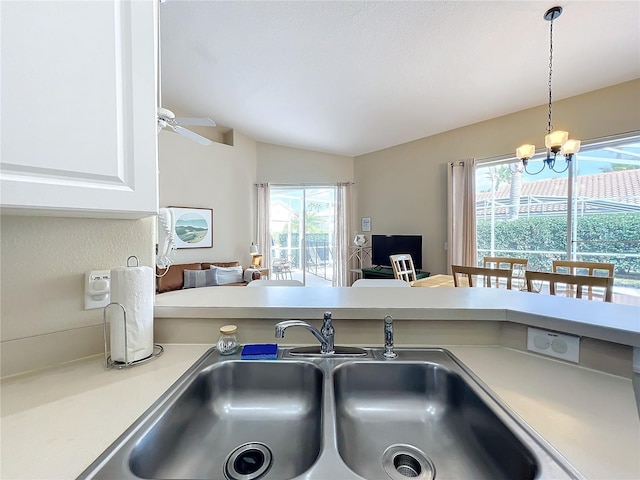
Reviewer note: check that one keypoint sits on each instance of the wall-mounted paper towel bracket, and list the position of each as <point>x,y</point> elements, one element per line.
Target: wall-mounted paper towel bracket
<point>97,286</point>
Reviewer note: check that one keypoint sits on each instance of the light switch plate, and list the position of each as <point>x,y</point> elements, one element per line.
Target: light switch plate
<point>558,345</point>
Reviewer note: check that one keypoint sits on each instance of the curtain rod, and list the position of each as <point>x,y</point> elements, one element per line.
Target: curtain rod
<point>262,184</point>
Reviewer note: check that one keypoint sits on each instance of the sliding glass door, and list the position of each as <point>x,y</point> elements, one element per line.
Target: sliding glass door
<point>303,223</point>
<point>591,212</point>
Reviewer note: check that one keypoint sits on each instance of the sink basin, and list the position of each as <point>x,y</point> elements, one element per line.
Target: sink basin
<point>238,420</point>
<point>239,407</point>
<point>330,417</point>
<point>418,418</point>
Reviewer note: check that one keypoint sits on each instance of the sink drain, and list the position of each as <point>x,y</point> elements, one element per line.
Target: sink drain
<point>402,462</point>
<point>250,461</point>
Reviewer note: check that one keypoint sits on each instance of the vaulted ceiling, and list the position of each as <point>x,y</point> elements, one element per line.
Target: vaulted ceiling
<point>352,77</point>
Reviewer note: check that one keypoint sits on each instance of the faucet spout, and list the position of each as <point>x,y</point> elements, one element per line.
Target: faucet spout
<point>325,336</point>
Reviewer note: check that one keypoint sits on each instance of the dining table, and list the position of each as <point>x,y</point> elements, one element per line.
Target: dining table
<point>439,280</point>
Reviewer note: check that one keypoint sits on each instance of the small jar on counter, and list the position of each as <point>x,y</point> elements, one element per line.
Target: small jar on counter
<point>228,340</point>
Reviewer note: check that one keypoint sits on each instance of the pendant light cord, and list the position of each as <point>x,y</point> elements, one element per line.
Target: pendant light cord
<point>549,126</point>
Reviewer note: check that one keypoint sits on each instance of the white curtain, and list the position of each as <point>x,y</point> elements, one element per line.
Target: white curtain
<point>343,235</point>
<point>461,232</point>
<point>263,226</point>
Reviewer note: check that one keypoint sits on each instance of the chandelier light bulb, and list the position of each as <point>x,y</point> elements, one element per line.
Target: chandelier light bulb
<point>570,147</point>
<point>526,151</point>
<point>556,139</point>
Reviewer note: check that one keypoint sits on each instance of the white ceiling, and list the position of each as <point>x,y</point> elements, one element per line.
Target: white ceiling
<point>352,77</point>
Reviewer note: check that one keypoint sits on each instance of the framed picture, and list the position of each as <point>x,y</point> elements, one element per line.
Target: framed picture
<point>365,224</point>
<point>193,227</point>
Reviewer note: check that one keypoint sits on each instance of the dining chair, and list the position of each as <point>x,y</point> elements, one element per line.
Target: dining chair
<point>487,274</point>
<point>574,267</point>
<point>517,265</point>
<point>403,268</point>
<point>281,268</point>
<point>569,281</point>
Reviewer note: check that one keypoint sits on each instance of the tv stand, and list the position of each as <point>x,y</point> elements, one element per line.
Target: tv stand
<point>387,273</point>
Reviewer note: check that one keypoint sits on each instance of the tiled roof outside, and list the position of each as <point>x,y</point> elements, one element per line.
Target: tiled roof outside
<point>598,193</point>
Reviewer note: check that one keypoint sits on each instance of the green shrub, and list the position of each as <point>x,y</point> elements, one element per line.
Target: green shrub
<point>611,233</point>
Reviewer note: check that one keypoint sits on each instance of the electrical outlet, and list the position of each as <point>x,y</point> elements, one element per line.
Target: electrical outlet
<point>97,289</point>
<point>559,345</point>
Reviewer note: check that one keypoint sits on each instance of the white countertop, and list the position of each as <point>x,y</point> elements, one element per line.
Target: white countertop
<point>56,422</point>
<point>605,321</point>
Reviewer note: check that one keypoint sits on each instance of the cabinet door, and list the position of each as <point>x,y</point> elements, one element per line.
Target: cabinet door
<point>78,111</point>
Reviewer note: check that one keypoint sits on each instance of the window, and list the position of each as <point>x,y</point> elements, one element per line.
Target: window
<point>589,213</point>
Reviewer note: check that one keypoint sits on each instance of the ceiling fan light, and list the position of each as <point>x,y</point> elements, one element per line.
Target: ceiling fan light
<point>525,151</point>
<point>554,140</point>
<point>570,147</point>
<point>166,113</point>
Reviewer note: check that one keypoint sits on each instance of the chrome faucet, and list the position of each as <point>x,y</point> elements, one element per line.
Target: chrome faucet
<point>325,335</point>
<point>388,338</point>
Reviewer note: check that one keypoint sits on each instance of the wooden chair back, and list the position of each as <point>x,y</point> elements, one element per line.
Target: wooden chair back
<point>517,265</point>
<point>488,274</point>
<point>504,262</point>
<point>579,281</point>
<point>573,267</point>
<point>403,268</point>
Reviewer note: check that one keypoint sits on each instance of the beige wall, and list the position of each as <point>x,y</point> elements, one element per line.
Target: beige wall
<point>43,262</point>
<point>277,164</point>
<point>404,188</point>
<point>216,176</point>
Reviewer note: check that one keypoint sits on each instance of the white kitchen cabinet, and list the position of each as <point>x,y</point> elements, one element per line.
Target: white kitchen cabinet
<point>78,108</point>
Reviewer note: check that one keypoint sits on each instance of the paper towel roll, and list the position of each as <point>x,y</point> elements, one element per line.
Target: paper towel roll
<point>133,288</point>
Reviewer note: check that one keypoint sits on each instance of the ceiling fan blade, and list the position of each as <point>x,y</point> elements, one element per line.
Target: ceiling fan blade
<point>193,136</point>
<point>196,121</point>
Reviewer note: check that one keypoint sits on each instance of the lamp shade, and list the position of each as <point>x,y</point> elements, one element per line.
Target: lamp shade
<point>253,250</point>
<point>525,151</point>
<point>570,147</point>
<point>554,140</point>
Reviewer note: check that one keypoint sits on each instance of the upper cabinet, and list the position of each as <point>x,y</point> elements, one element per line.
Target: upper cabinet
<point>78,108</point>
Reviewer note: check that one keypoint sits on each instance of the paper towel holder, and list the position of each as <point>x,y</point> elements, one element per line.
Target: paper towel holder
<point>108,361</point>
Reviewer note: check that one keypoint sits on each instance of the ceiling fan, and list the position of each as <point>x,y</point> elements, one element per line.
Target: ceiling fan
<point>167,119</point>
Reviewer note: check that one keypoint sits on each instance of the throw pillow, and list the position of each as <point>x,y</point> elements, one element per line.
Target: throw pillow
<point>199,278</point>
<point>226,275</point>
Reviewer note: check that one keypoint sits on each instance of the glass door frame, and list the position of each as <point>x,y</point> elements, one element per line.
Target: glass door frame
<point>302,224</point>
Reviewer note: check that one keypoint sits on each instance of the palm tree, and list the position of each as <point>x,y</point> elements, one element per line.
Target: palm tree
<point>515,189</point>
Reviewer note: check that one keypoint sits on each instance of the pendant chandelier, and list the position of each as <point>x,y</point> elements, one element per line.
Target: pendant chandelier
<point>556,141</point>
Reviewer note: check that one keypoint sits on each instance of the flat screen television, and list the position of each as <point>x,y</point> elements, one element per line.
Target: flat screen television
<point>384,245</point>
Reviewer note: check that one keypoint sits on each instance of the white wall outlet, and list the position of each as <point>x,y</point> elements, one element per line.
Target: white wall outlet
<point>97,288</point>
<point>559,345</point>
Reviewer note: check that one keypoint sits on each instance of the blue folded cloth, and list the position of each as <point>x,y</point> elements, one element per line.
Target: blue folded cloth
<point>260,351</point>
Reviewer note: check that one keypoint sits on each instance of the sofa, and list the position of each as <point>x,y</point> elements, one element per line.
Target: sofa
<point>173,279</point>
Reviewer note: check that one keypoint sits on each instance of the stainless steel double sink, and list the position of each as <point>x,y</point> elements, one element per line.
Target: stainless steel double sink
<point>422,415</point>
